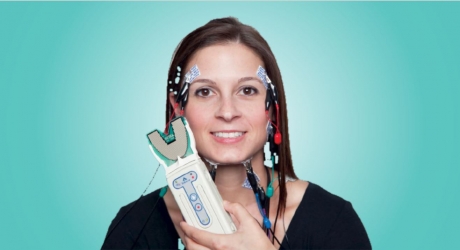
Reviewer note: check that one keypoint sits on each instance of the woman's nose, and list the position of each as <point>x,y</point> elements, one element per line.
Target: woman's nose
<point>228,109</point>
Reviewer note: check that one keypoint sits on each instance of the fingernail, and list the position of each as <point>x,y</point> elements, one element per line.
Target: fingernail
<point>226,202</point>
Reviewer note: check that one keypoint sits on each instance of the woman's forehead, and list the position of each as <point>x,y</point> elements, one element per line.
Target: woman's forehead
<point>227,59</point>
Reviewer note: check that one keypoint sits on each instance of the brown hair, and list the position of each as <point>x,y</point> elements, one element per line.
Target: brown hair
<point>227,30</point>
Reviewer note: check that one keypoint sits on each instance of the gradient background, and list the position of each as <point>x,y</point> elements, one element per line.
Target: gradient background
<point>373,100</point>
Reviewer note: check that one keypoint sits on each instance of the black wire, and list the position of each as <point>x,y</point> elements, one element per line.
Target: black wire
<point>277,211</point>
<point>276,220</point>
<point>274,237</point>
<point>213,172</point>
<point>284,227</point>
<point>116,225</point>
<point>124,215</point>
<point>267,201</point>
<point>285,234</point>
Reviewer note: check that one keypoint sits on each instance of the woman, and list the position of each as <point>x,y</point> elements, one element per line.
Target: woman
<point>235,103</point>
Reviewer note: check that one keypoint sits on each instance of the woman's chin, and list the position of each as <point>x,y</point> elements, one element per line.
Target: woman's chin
<point>226,159</point>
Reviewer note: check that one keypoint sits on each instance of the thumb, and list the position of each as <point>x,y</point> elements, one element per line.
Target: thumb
<point>238,211</point>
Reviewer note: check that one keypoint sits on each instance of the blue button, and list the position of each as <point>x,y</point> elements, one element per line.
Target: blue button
<point>193,197</point>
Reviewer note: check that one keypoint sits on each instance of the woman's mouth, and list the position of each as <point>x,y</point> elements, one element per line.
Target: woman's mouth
<point>228,134</point>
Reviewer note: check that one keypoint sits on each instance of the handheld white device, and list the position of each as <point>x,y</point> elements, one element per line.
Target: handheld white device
<point>189,180</point>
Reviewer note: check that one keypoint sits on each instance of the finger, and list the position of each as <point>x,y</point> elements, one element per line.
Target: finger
<point>235,221</point>
<point>200,237</point>
<point>192,245</point>
<point>238,211</point>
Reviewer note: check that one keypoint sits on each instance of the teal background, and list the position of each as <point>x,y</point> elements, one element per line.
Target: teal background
<point>372,93</point>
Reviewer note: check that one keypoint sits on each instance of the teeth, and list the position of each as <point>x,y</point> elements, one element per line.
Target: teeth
<point>228,135</point>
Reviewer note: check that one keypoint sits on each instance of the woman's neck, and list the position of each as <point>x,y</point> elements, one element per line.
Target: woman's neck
<point>230,178</point>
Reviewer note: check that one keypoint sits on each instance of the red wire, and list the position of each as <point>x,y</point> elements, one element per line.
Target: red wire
<point>273,124</point>
<point>170,118</point>
<point>277,117</point>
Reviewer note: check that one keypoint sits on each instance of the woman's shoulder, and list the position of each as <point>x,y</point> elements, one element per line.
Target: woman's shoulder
<point>143,206</point>
<point>328,220</point>
<point>319,204</point>
<point>323,199</point>
<point>144,222</point>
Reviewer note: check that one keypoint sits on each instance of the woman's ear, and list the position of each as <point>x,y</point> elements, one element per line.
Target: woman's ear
<point>172,101</point>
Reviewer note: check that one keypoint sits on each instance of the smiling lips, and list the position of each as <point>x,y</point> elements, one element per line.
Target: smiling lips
<point>228,134</point>
<point>228,137</point>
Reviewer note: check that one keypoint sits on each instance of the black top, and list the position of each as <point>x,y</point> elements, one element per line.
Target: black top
<point>322,221</point>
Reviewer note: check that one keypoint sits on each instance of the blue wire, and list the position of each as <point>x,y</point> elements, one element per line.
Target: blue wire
<point>266,221</point>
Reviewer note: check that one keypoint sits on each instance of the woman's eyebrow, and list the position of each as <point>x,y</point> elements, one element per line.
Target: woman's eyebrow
<point>243,79</point>
<point>204,80</point>
<point>249,78</point>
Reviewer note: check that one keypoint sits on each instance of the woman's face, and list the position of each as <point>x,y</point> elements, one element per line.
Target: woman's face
<point>226,109</point>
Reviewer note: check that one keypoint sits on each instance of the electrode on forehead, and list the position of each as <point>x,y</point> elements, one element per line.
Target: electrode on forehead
<point>193,73</point>
<point>262,74</point>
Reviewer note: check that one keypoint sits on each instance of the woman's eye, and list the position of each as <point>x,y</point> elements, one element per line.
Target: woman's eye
<point>248,91</point>
<point>203,92</point>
